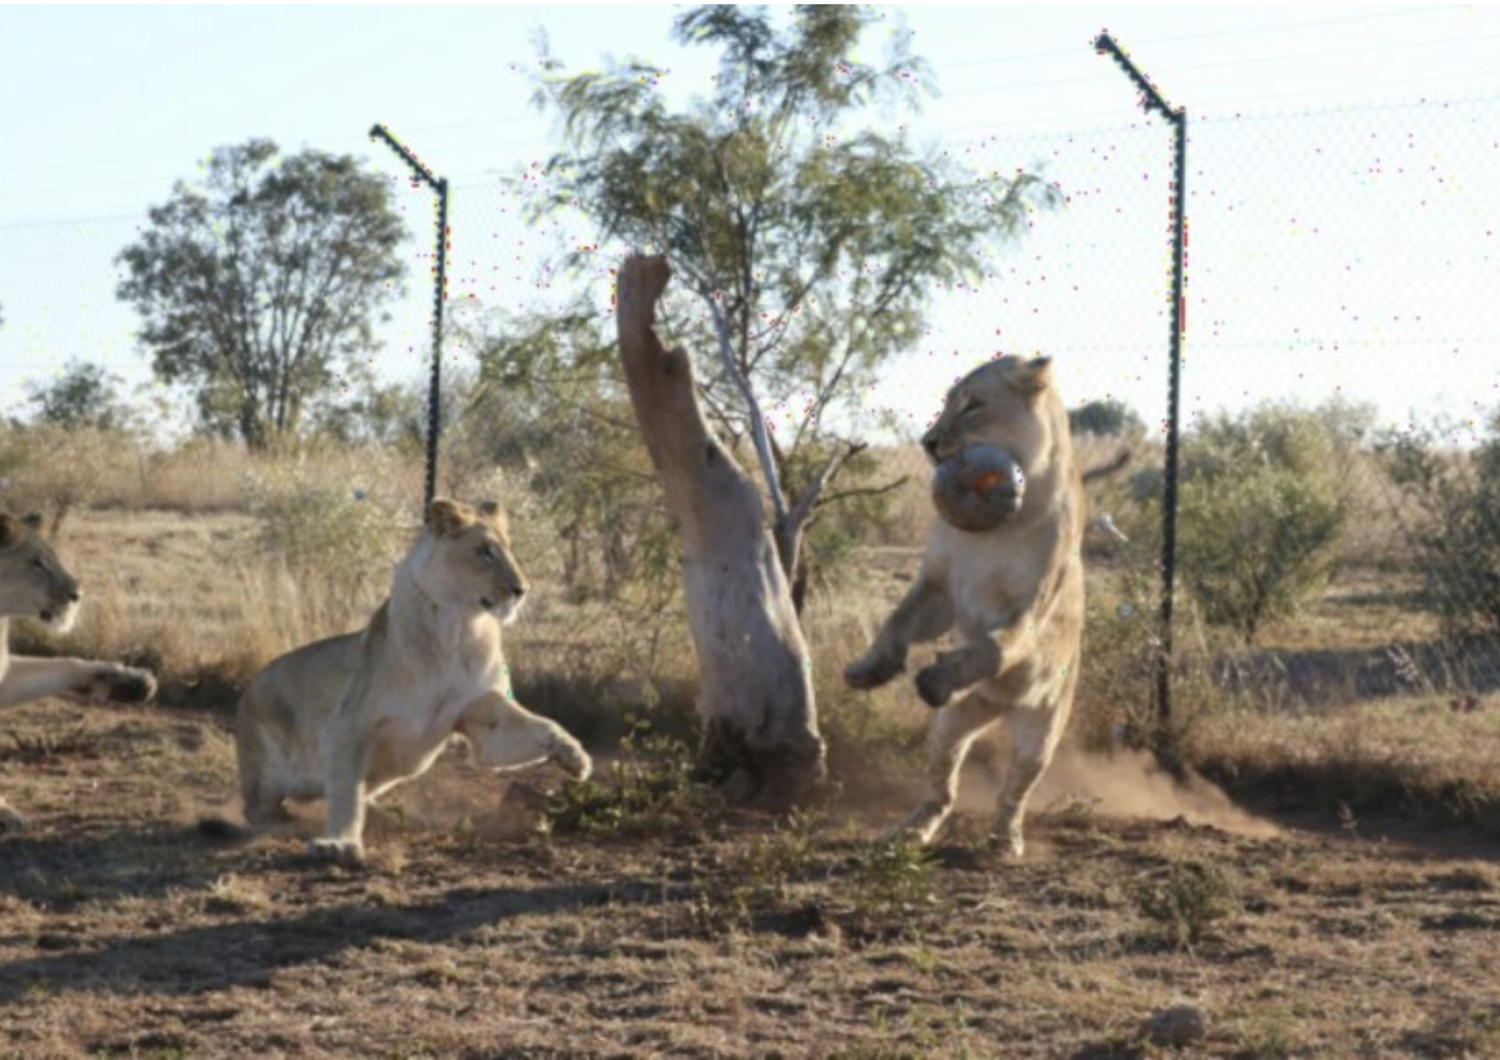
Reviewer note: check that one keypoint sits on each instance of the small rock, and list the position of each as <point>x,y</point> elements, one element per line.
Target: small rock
<point>1176,1027</point>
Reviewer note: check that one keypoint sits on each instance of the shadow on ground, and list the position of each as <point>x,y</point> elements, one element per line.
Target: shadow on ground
<point>246,952</point>
<point>64,869</point>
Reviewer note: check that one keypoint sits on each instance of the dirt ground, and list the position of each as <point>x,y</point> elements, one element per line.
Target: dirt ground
<point>124,933</point>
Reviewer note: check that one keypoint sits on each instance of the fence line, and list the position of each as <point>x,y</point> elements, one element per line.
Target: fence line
<point>1345,253</point>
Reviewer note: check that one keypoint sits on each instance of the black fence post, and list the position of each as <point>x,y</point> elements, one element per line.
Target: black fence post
<point>1166,747</point>
<point>439,295</point>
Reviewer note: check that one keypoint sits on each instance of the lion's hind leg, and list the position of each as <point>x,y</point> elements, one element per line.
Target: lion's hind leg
<point>263,765</point>
<point>954,729</point>
<point>1034,736</point>
<point>265,807</point>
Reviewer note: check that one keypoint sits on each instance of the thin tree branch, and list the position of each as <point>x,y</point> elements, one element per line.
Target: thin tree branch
<point>864,491</point>
<point>807,500</point>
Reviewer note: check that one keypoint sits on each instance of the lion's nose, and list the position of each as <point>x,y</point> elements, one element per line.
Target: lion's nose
<point>930,443</point>
<point>519,589</point>
<point>74,596</point>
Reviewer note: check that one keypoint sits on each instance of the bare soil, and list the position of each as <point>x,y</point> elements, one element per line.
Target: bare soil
<point>124,933</point>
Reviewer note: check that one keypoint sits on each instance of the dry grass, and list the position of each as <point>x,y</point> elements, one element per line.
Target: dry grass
<point>201,476</point>
<point>681,928</point>
<point>1433,760</point>
<point>192,597</point>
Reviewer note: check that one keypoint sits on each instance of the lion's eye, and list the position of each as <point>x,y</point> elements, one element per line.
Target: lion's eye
<point>39,565</point>
<point>971,406</point>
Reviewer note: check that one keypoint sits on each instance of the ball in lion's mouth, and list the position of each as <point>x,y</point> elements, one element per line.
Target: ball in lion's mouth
<point>977,488</point>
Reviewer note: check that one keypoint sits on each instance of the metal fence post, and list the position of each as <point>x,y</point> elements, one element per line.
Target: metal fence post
<point>1177,203</point>
<point>439,295</point>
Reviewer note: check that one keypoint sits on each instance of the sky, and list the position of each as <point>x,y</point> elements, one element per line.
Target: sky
<point>1343,193</point>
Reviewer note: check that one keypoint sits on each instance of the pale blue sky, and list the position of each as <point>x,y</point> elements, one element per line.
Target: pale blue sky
<point>1340,249</point>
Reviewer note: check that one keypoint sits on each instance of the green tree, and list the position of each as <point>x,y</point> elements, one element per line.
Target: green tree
<point>1455,524</point>
<point>1261,506</point>
<point>548,406</point>
<point>257,285</point>
<point>806,235</point>
<point>1105,417</point>
<point>84,395</point>
<point>369,412</point>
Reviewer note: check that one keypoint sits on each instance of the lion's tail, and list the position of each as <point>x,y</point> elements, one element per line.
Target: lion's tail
<point>1109,467</point>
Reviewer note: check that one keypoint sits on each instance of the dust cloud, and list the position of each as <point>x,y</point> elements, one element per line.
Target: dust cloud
<point>1127,783</point>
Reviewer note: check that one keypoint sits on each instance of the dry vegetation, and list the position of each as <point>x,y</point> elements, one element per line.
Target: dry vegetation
<point>634,917</point>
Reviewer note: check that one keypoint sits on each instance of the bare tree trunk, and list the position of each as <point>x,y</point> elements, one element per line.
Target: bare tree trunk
<point>760,723</point>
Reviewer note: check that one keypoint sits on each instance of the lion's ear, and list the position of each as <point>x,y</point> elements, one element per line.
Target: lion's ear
<point>492,511</point>
<point>1030,376</point>
<point>448,517</point>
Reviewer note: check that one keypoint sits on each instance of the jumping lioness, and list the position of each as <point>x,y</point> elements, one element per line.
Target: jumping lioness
<point>348,718</point>
<point>34,584</point>
<point>1014,595</point>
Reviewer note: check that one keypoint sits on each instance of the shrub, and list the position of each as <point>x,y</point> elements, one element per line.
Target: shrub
<point>1261,506</point>
<point>649,790</point>
<point>1187,902</point>
<point>890,878</point>
<point>1457,531</point>
<point>757,881</point>
<point>54,470</point>
<point>1121,638</point>
<point>329,530</point>
<point>1106,417</point>
<point>547,406</point>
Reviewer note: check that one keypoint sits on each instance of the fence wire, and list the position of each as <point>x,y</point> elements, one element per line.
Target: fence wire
<point>1341,494</point>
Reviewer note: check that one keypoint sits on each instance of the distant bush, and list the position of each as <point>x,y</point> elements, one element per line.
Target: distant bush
<point>1105,417</point>
<point>82,395</point>
<point>326,529</point>
<point>1457,531</point>
<point>53,470</point>
<point>1262,502</point>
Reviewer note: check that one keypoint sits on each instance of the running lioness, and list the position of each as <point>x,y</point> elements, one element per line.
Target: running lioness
<point>348,718</point>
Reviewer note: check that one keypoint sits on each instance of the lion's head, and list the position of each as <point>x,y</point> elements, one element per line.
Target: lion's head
<point>33,582</point>
<point>471,563</point>
<point>1009,403</point>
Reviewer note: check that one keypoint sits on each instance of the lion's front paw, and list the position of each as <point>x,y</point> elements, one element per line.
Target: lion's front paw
<point>934,685</point>
<point>872,671</point>
<point>572,757</point>
<point>11,819</point>
<point>123,684</point>
<point>349,852</point>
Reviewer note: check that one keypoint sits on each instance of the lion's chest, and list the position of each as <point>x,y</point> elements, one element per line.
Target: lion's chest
<point>422,707</point>
<point>987,589</point>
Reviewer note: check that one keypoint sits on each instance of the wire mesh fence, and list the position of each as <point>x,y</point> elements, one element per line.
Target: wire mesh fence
<point>1341,466</point>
